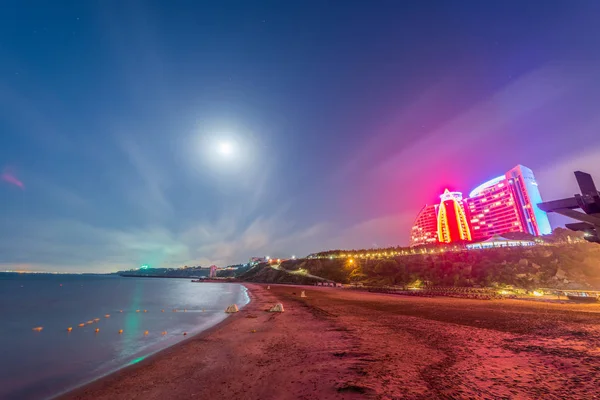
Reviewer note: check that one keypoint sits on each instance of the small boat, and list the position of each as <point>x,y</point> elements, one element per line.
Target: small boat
<point>583,297</point>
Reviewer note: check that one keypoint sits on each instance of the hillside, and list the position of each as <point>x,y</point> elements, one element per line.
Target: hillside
<point>265,273</point>
<point>567,266</point>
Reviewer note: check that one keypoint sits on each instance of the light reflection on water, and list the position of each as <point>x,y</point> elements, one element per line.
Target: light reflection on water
<point>136,360</point>
<point>40,364</point>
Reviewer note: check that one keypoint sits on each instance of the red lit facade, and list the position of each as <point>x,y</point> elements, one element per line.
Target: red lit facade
<point>504,204</point>
<point>452,223</point>
<point>424,230</point>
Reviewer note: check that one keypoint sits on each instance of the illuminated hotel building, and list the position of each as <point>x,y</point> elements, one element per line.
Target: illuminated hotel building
<point>424,231</point>
<point>452,222</point>
<point>504,204</point>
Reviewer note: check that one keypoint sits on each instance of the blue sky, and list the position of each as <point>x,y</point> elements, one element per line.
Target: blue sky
<point>346,117</point>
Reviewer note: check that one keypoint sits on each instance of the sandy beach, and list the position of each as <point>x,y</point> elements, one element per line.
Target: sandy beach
<point>340,344</point>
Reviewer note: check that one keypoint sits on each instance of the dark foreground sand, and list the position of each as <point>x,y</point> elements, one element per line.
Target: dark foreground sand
<point>344,345</point>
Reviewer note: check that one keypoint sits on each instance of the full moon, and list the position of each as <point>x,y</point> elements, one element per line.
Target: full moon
<point>225,148</point>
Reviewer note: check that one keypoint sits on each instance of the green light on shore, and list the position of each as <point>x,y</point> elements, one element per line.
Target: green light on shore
<point>144,266</point>
<point>137,360</point>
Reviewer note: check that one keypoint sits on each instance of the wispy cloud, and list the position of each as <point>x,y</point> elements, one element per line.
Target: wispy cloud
<point>471,129</point>
<point>381,231</point>
<point>150,193</point>
<point>72,245</point>
<point>557,180</point>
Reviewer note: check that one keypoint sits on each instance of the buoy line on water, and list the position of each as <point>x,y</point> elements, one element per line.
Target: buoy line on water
<point>231,309</point>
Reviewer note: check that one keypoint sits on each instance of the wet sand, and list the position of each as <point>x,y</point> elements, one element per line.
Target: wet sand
<point>339,344</point>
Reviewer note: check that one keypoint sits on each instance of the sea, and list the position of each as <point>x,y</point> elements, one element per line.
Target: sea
<point>153,313</point>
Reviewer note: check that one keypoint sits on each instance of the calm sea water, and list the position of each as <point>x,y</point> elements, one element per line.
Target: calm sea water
<point>38,365</point>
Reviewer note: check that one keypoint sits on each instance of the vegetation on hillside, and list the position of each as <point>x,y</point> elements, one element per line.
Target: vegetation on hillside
<point>561,265</point>
<point>230,273</point>
<point>267,274</point>
<point>557,237</point>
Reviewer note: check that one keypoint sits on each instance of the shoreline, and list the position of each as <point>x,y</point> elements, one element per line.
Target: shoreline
<point>127,369</point>
<point>336,344</point>
<point>249,355</point>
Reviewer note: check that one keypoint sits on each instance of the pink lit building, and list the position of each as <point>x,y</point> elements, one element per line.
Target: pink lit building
<point>504,204</point>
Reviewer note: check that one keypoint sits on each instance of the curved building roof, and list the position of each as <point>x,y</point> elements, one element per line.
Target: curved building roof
<point>477,191</point>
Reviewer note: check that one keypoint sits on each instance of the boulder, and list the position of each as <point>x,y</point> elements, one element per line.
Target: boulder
<point>232,309</point>
<point>303,294</point>
<point>560,273</point>
<point>545,253</point>
<point>524,262</point>
<point>277,308</point>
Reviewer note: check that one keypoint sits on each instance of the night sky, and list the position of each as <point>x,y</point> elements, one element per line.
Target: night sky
<point>343,118</point>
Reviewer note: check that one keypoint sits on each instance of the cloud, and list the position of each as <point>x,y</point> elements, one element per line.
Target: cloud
<point>70,245</point>
<point>59,194</point>
<point>9,177</point>
<point>382,231</point>
<point>150,194</point>
<point>428,131</point>
<point>556,180</point>
<point>266,235</point>
<point>470,130</point>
